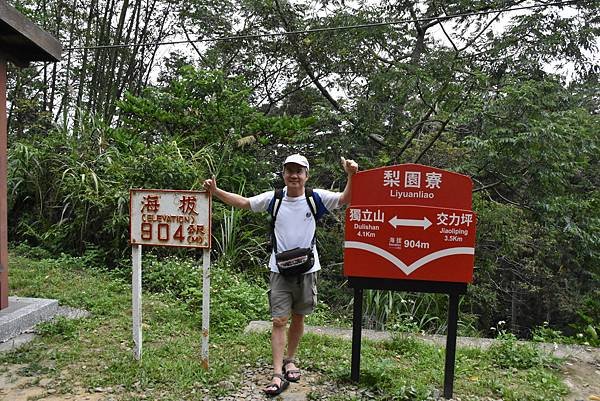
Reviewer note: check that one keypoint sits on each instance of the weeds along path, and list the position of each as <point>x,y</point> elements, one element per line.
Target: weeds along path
<point>15,385</point>
<point>19,382</point>
<point>89,359</point>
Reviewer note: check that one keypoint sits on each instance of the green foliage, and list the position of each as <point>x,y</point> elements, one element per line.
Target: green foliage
<point>411,313</point>
<point>407,345</point>
<point>96,351</point>
<point>399,311</point>
<point>546,334</point>
<point>71,192</point>
<point>54,277</point>
<point>173,275</point>
<point>202,109</point>
<point>61,327</point>
<point>587,326</point>
<point>586,335</point>
<point>510,353</point>
<point>69,189</point>
<point>484,105</point>
<point>235,300</point>
<point>31,252</point>
<point>239,247</point>
<point>404,368</point>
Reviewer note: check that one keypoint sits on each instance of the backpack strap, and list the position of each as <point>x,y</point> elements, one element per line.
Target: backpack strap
<point>310,199</point>
<point>315,204</point>
<point>273,209</point>
<point>275,204</point>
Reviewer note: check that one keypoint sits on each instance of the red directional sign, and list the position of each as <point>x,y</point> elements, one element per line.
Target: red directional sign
<point>410,242</point>
<point>410,222</point>
<point>412,184</point>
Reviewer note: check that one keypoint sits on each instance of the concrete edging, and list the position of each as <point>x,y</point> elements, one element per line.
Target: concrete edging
<point>23,314</point>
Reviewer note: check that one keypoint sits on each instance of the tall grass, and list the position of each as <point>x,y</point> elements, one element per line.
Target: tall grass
<point>239,245</point>
<point>69,190</point>
<point>410,312</point>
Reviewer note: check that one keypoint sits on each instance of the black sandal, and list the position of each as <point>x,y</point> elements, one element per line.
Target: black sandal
<point>273,389</point>
<point>290,374</point>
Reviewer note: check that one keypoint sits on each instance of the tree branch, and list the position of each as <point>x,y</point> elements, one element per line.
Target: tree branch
<point>302,60</point>
<point>441,129</point>
<point>487,186</point>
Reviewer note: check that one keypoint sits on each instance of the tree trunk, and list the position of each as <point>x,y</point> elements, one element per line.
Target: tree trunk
<point>84,59</point>
<point>514,305</point>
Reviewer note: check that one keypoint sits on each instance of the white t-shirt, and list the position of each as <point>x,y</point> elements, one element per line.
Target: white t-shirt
<point>295,225</point>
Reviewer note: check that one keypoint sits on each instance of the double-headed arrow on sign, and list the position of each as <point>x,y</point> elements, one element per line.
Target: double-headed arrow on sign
<point>395,222</point>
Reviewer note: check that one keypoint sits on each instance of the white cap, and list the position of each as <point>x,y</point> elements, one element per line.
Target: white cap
<point>298,159</point>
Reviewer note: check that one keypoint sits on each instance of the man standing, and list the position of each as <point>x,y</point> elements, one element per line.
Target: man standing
<point>294,227</point>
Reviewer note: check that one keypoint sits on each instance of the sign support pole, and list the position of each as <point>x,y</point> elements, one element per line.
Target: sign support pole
<point>451,344</point>
<point>454,290</point>
<point>3,190</point>
<point>136,301</point>
<point>356,333</point>
<point>205,305</point>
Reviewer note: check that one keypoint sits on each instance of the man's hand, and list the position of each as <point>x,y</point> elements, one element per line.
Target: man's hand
<point>350,166</point>
<point>211,184</point>
<point>229,198</point>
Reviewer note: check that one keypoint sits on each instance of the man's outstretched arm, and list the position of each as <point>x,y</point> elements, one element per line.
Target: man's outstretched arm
<point>351,168</point>
<point>229,198</point>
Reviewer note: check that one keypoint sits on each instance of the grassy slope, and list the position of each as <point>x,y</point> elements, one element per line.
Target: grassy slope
<point>96,352</point>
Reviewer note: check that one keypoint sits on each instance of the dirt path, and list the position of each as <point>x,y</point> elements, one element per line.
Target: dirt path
<point>583,379</point>
<point>17,385</point>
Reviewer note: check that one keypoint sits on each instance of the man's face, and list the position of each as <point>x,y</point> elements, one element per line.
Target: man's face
<point>294,176</point>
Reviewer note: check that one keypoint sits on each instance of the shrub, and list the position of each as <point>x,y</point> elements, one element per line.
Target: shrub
<point>235,298</point>
<point>510,353</point>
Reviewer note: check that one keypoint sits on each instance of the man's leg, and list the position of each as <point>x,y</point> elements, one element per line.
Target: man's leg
<point>278,342</point>
<point>280,302</point>
<point>295,333</point>
<point>277,347</point>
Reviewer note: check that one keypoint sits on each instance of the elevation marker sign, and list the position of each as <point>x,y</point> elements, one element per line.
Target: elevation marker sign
<point>162,217</point>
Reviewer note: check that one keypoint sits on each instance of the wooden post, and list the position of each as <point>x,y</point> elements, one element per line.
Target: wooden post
<point>136,299</point>
<point>3,190</point>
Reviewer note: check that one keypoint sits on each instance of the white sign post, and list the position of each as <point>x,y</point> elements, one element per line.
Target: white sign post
<point>136,300</point>
<point>205,305</point>
<point>159,217</point>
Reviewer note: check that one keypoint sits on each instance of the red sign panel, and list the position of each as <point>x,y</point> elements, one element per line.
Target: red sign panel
<point>412,184</point>
<point>410,242</point>
<point>410,222</point>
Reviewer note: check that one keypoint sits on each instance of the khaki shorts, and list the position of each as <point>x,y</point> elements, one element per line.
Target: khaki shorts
<point>297,294</point>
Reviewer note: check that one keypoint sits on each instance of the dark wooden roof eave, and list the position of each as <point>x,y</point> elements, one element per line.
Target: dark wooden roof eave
<point>21,41</point>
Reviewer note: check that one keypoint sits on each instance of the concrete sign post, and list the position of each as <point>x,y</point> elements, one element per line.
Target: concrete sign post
<point>169,218</point>
<point>410,228</point>
<point>136,299</point>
